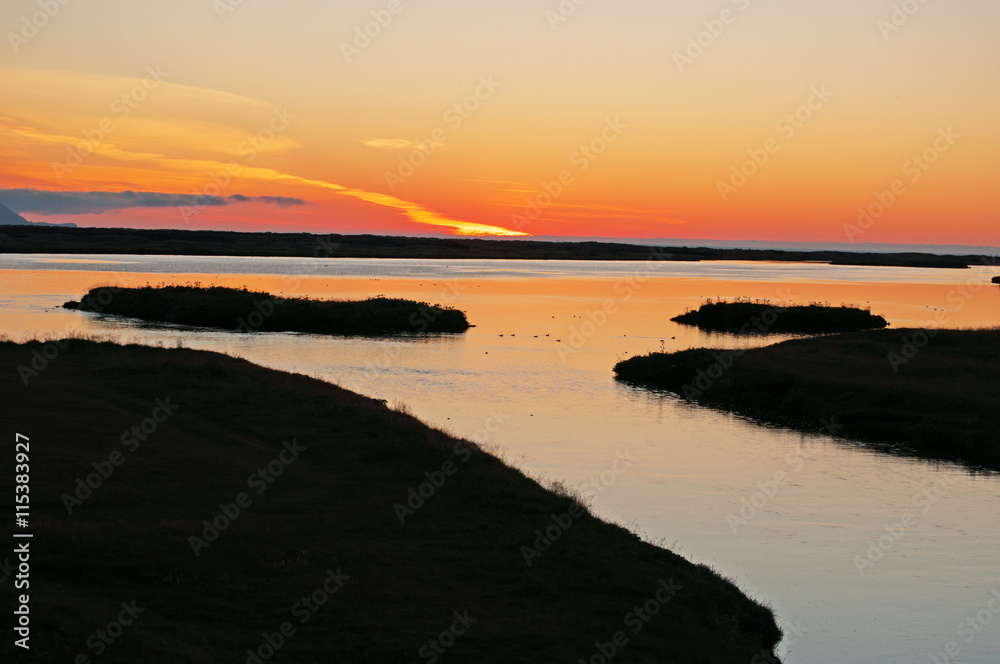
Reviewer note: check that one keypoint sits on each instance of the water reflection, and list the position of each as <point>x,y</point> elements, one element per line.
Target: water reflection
<point>542,354</point>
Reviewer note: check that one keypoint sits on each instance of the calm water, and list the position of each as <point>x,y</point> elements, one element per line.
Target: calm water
<point>540,357</point>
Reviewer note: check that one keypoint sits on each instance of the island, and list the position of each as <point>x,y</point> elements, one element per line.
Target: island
<point>230,512</point>
<point>243,310</point>
<point>996,280</point>
<point>927,393</point>
<point>763,317</point>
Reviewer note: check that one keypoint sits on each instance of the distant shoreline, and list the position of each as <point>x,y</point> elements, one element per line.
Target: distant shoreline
<point>56,240</point>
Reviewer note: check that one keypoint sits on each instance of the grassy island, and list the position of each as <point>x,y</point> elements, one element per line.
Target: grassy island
<point>929,393</point>
<point>220,498</point>
<point>248,311</point>
<point>762,317</point>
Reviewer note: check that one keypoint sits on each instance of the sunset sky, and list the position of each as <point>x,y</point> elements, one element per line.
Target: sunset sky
<point>731,119</point>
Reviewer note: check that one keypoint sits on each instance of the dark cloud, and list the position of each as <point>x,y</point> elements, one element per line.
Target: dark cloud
<point>100,202</point>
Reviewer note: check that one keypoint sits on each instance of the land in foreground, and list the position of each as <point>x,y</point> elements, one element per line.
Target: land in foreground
<point>288,483</point>
<point>244,310</point>
<point>762,317</point>
<point>43,240</point>
<point>930,393</point>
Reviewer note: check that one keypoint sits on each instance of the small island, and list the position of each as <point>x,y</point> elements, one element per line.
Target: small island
<point>255,507</point>
<point>243,310</point>
<point>763,317</point>
<point>996,280</point>
<point>928,393</point>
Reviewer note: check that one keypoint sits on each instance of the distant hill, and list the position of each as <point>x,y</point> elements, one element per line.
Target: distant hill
<point>10,218</point>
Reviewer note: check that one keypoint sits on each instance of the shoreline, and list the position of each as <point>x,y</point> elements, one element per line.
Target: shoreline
<point>410,525</point>
<point>57,240</point>
<point>928,394</point>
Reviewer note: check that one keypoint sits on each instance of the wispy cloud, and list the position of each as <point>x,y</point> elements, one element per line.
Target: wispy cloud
<point>137,153</point>
<point>44,202</point>
<point>396,143</point>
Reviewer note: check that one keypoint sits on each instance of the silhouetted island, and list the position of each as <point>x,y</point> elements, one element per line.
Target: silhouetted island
<point>246,510</point>
<point>244,310</point>
<point>996,280</point>
<point>930,393</point>
<point>762,317</point>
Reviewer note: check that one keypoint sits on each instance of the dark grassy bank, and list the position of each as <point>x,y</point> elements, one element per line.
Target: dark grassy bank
<point>759,317</point>
<point>943,403</point>
<point>247,311</point>
<point>32,239</point>
<point>331,509</point>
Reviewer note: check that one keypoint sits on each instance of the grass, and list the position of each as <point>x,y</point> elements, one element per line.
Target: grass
<point>931,395</point>
<point>331,509</point>
<point>763,317</point>
<point>248,311</point>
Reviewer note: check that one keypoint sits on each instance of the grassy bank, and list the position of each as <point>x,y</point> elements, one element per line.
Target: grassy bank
<point>761,317</point>
<point>249,311</point>
<point>933,395</point>
<point>333,508</point>
<point>51,240</point>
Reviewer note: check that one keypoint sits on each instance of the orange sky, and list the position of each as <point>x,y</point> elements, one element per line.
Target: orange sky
<point>506,118</point>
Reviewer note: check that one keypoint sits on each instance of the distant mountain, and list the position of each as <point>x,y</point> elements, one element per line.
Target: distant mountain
<point>10,218</point>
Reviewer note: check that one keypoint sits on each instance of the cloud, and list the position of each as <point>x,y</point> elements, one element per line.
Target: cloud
<point>398,143</point>
<point>99,202</point>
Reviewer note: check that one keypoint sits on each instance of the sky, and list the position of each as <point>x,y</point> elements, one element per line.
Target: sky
<point>867,121</point>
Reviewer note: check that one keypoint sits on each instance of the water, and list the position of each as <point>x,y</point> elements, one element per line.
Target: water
<point>800,545</point>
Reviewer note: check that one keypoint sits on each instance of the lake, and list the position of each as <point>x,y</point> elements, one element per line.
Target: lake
<point>825,547</point>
